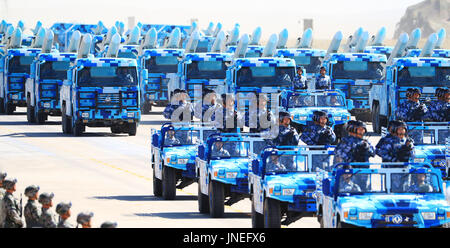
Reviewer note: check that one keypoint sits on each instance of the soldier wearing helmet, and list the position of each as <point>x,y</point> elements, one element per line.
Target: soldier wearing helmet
<point>32,211</point>
<point>398,147</point>
<point>411,109</point>
<point>287,135</point>
<point>323,81</point>
<point>84,219</point>
<point>439,110</point>
<point>2,194</point>
<point>300,81</point>
<point>63,209</point>
<point>13,218</point>
<point>48,217</point>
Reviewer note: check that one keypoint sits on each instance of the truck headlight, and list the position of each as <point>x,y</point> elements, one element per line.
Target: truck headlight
<point>429,215</point>
<point>85,114</point>
<point>288,191</point>
<point>302,118</point>
<point>338,118</point>
<point>182,161</point>
<point>15,97</point>
<point>46,105</point>
<point>419,160</point>
<point>365,215</point>
<point>232,174</point>
<point>130,114</point>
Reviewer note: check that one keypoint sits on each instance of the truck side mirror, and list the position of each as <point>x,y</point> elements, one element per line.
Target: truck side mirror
<point>69,75</point>
<point>155,140</point>
<point>350,105</point>
<point>144,74</point>
<point>255,167</point>
<point>201,152</point>
<point>326,187</point>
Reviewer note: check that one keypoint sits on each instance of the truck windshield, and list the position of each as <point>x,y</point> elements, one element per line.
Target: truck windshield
<point>362,183</point>
<point>181,137</point>
<point>424,76</point>
<point>54,70</point>
<point>265,77</point>
<point>286,163</point>
<point>20,64</point>
<point>428,136</point>
<point>162,64</point>
<point>358,70</point>
<point>206,70</point>
<point>229,149</point>
<point>311,64</point>
<point>414,183</point>
<point>322,101</point>
<point>127,55</point>
<point>107,76</point>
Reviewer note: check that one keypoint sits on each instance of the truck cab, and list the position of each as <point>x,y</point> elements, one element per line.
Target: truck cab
<point>302,104</point>
<point>100,92</point>
<point>222,167</point>
<point>399,195</point>
<point>282,184</point>
<point>174,151</point>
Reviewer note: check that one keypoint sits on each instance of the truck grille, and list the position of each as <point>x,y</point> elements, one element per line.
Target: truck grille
<point>108,100</point>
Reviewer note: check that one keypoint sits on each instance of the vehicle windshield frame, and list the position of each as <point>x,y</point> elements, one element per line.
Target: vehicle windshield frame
<point>19,64</point>
<point>53,74</point>
<point>153,66</point>
<point>266,81</point>
<point>283,158</point>
<point>108,80</point>
<point>339,71</point>
<point>193,71</point>
<point>227,146</point>
<point>316,101</point>
<point>188,133</point>
<point>404,78</point>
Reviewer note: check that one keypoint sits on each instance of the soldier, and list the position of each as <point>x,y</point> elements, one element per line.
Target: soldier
<point>171,139</point>
<point>383,139</point>
<point>31,211</point>
<point>398,147</point>
<point>63,209</point>
<point>420,185</point>
<point>2,194</point>
<point>275,164</point>
<point>219,151</point>
<point>353,148</point>
<point>438,111</point>
<point>108,224</point>
<point>319,134</point>
<point>262,116</point>
<point>179,101</point>
<point>347,185</point>
<point>205,109</point>
<point>287,135</point>
<point>227,120</point>
<point>84,219</point>
<point>48,218</point>
<point>412,110</point>
<point>13,211</point>
<point>323,81</point>
<point>300,81</point>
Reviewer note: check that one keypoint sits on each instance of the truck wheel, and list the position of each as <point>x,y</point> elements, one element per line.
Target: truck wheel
<point>216,199</point>
<point>146,107</point>
<point>2,106</point>
<point>157,185</point>
<point>116,129</point>
<point>30,113</point>
<point>40,117</point>
<point>203,203</point>
<point>272,213</point>
<point>77,129</point>
<point>257,218</point>
<point>376,123</point>
<point>168,183</point>
<point>66,122</point>
<point>10,108</point>
<point>132,129</point>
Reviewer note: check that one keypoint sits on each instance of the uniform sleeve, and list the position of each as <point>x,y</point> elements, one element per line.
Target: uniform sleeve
<point>307,137</point>
<point>12,212</point>
<point>384,151</point>
<point>168,111</point>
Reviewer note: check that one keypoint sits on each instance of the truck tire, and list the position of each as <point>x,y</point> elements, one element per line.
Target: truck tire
<point>66,122</point>
<point>216,199</point>
<point>272,213</point>
<point>30,113</point>
<point>257,218</point>
<point>2,106</point>
<point>77,129</point>
<point>157,185</point>
<point>40,117</point>
<point>376,122</point>
<point>146,108</point>
<point>132,129</point>
<point>9,108</point>
<point>364,117</point>
<point>116,129</point>
<point>203,203</point>
<point>169,177</point>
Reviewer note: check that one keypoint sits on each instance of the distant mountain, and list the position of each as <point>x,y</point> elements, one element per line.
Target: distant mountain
<point>429,16</point>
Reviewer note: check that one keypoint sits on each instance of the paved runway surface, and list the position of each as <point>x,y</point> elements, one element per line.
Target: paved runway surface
<point>109,174</point>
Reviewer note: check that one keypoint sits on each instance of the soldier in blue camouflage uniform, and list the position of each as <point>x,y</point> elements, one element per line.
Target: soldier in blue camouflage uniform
<point>323,81</point>
<point>2,194</point>
<point>412,110</point>
<point>84,219</point>
<point>179,97</point>
<point>63,209</point>
<point>48,217</point>
<point>226,118</point>
<point>300,81</point>
<point>205,109</point>
<point>347,184</point>
<point>13,215</point>
<point>383,139</point>
<point>353,148</point>
<point>260,119</point>
<point>319,134</point>
<point>274,164</point>
<point>32,212</point>
<point>287,135</point>
<point>439,111</point>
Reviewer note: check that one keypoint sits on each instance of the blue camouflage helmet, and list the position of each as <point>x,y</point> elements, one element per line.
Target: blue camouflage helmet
<point>31,190</point>
<point>318,114</point>
<point>440,92</point>
<point>411,91</point>
<point>46,198</point>
<point>283,114</point>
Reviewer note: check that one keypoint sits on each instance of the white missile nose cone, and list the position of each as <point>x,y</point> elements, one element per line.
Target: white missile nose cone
<point>339,35</point>
<point>404,37</point>
<point>417,33</point>
<point>433,38</point>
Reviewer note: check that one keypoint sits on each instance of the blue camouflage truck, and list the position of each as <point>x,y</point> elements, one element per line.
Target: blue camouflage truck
<point>282,184</point>
<point>399,195</point>
<point>16,61</point>
<point>302,104</point>
<point>100,92</point>
<point>222,169</point>
<point>173,154</point>
<point>425,73</point>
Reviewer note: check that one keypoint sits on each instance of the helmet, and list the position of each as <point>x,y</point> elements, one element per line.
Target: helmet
<point>9,183</point>
<point>84,217</point>
<point>411,91</point>
<point>283,114</point>
<point>31,190</point>
<point>318,114</point>
<point>3,175</point>
<point>399,124</point>
<point>440,92</point>
<point>63,207</point>
<point>109,224</point>
<point>353,125</point>
<point>45,198</point>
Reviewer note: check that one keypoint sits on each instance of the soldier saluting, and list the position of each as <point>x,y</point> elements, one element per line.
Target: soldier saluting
<point>13,212</point>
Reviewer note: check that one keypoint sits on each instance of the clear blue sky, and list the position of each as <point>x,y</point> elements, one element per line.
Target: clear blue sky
<point>274,15</point>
